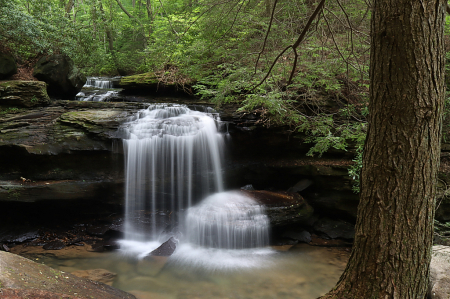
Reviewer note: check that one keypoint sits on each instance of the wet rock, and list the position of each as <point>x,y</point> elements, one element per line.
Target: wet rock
<point>61,75</point>
<point>166,249</point>
<point>98,246</point>
<point>335,228</point>
<point>320,241</point>
<point>27,279</point>
<point>281,207</point>
<point>23,94</point>
<point>300,186</point>
<point>248,187</point>
<point>4,247</point>
<point>8,66</point>
<point>332,201</point>
<point>16,191</point>
<point>302,236</point>
<point>439,286</point>
<point>97,230</point>
<point>54,245</point>
<point>111,244</point>
<point>18,235</point>
<point>100,275</point>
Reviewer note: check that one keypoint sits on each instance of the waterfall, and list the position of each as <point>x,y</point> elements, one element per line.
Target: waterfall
<point>228,220</point>
<point>98,83</point>
<point>173,170</point>
<point>101,97</point>
<point>173,159</point>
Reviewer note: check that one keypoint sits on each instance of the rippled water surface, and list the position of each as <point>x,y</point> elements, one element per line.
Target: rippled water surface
<point>304,271</point>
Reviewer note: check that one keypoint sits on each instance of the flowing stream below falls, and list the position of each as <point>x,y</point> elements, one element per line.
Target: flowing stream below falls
<point>304,272</point>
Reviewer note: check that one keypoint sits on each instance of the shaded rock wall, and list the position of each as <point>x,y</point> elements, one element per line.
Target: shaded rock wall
<point>61,75</point>
<point>8,66</point>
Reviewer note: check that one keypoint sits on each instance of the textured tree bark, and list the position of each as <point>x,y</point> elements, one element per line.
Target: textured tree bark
<point>392,248</point>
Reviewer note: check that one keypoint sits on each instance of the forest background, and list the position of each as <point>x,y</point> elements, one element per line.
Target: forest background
<point>226,51</point>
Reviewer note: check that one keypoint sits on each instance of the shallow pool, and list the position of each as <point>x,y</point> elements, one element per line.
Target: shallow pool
<point>304,271</point>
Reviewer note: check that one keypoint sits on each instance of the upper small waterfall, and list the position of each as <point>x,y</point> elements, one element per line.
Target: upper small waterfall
<point>173,159</point>
<point>98,83</point>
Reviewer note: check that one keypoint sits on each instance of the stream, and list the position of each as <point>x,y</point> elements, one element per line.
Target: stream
<point>304,271</point>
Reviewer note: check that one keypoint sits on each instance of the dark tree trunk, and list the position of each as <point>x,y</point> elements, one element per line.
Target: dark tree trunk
<point>392,249</point>
<point>69,7</point>
<point>108,31</point>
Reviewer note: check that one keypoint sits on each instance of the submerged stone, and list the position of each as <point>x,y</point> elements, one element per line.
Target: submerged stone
<point>55,245</point>
<point>100,275</point>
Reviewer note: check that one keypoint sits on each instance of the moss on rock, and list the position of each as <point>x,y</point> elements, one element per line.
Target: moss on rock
<point>23,94</point>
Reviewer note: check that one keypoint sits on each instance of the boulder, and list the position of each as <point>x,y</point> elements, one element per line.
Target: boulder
<point>22,278</point>
<point>23,94</point>
<point>8,65</point>
<point>54,245</point>
<point>282,208</point>
<point>439,287</point>
<point>61,75</point>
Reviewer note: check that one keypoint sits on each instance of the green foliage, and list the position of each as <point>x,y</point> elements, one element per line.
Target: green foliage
<point>225,47</point>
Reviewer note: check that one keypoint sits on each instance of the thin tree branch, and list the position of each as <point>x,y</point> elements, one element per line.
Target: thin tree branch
<point>168,19</point>
<point>336,45</point>
<point>302,35</point>
<point>270,69</point>
<point>267,35</point>
<point>294,47</point>
<point>232,24</point>
<point>124,10</point>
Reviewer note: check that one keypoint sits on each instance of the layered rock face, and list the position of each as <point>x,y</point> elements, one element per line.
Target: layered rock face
<point>61,75</point>
<point>24,94</point>
<point>62,151</point>
<point>68,154</point>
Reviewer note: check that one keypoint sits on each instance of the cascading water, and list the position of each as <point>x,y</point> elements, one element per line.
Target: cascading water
<point>101,97</point>
<point>173,160</point>
<point>98,83</point>
<point>228,220</point>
